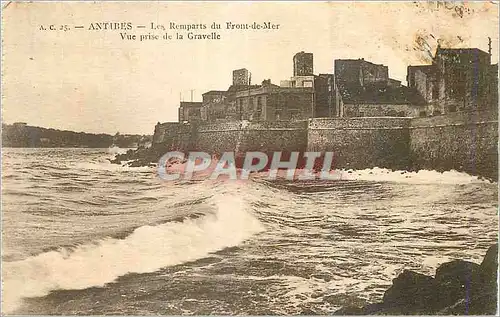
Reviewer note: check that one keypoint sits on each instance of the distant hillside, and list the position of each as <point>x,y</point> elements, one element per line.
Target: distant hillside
<point>23,135</point>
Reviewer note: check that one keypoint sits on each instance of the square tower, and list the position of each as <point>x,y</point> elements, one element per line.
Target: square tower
<point>240,77</point>
<point>303,64</point>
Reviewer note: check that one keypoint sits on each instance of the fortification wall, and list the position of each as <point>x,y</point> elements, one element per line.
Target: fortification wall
<point>461,141</point>
<point>243,136</point>
<point>174,136</point>
<point>379,110</point>
<point>362,142</point>
<point>464,141</point>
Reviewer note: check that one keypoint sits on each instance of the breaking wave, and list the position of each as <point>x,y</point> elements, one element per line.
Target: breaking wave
<point>146,249</point>
<point>110,167</point>
<point>420,177</point>
<point>117,150</point>
<point>377,174</point>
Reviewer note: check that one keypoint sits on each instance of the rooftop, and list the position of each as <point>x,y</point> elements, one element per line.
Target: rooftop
<point>234,88</point>
<point>214,92</point>
<point>191,103</point>
<point>378,94</point>
<point>357,60</point>
<point>428,69</point>
<point>460,51</point>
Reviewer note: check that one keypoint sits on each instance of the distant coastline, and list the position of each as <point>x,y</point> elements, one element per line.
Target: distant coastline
<point>22,135</point>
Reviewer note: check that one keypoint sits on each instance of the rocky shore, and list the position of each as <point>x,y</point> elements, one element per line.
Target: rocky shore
<point>458,288</point>
<point>150,156</point>
<point>140,157</point>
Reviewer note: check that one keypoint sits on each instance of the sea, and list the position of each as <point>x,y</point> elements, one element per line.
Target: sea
<point>83,236</point>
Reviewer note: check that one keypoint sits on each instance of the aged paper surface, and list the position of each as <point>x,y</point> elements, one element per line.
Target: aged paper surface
<point>249,158</point>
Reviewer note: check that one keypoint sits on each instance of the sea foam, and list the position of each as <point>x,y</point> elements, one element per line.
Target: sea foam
<point>420,177</point>
<point>147,249</point>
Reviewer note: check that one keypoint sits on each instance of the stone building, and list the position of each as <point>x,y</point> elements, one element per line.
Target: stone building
<point>459,79</point>
<point>214,105</point>
<point>423,78</point>
<point>298,81</point>
<point>373,101</point>
<point>360,72</point>
<point>301,97</point>
<point>303,64</point>
<point>270,102</point>
<point>265,102</point>
<point>220,105</point>
<point>190,111</point>
<point>324,96</point>
<point>241,77</point>
<point>323,85</point>
<point>364,89</point>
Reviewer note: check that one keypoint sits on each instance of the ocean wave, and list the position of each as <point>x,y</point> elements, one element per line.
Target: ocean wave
<point>421,177</point>
<point>377,174</point>
<point>108,166</point>
<point>146,249</point>
<point>117,150</point>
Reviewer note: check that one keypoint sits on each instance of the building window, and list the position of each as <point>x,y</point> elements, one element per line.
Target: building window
<point>435,92</point>
<point>258,114</point>
<point>277,114</point>
<point>460,82</point>
<point>259,101</point>
<point>294,114</point>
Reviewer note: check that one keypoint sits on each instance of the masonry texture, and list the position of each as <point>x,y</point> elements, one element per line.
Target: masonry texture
<point>463,141</point>
<point>238,136</point>
<point>243,136</point>
<point>362,142</point>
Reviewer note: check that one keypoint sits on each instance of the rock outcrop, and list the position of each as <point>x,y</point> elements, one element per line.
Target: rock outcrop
<point>458,288</point>
<point>139,157</point>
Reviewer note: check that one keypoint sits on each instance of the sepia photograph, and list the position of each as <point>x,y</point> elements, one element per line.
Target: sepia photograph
<point>249,158</point>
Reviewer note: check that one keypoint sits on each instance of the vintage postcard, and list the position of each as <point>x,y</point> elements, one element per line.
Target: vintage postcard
<point>249,158</point>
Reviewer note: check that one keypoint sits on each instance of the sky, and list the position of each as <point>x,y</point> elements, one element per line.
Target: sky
<point>93,81</point>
